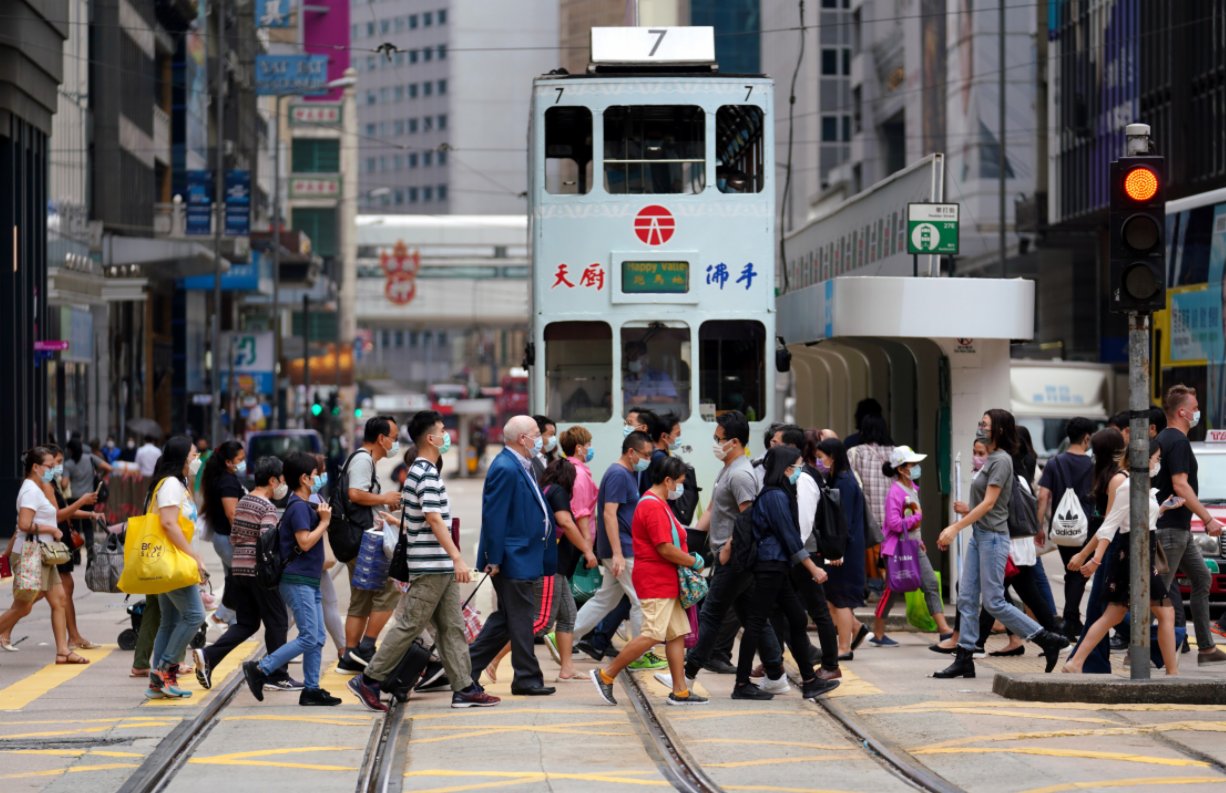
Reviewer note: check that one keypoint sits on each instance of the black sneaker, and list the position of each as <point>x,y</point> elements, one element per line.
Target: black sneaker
<point>719,667</point>
<point>433,677</point>
<point>204,672</point>
<point>255,679</point>
<point>750,691</point>
<point>692,699</point>
<point>604,689</point>
<point>363,655</point>
<point>351,662</point>
<point>473,697</point>
<point>814,688</point>
<point>590,649</point>
<point>367,694</point>
<point>285,683</point>
<point>317,697</point>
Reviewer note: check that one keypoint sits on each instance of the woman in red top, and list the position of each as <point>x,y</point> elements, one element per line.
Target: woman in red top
<point>656,559</point>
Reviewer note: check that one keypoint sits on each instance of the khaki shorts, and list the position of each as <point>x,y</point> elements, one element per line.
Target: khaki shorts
<point>364,602</point>
<point>50,578</point>
<point>664,619</point>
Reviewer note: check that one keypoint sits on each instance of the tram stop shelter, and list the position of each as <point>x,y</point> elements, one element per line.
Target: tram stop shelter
<point>933,351</point>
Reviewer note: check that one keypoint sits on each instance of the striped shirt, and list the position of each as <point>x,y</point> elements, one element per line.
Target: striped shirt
<point>252,517</point>
<point>425,492</point>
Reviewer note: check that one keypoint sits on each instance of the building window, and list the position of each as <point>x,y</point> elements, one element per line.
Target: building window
<point>370,97</point>
<point>353,31</point>
<point>385,94</point>
<point>732,354</point>
<point>568,150</point>
<point>427,19</point>
<point>427,88</point>
<point>385,26</point>
<point>442,16</point>
<point>442,52</point>
<point>413,160</point>
<point>442,192</point>
<point>398,164</point>
<point>846,61</point>
<point>412,126</point>
<point>412,21</point>
<point>412,195</point>
<point>427,124</point>
<point>442,157</point>
<point>398,93</point>
<point>427,159</point>
<point>578,371</point>
<point>370,130</point>
<point>399,127</point>
<point>316,155</point>
<point>370,165</point>
<point>399,24</point>
<point>846,128</point>
<point>830,129</point>
<point>427,54</point>
<point>412,90</point>
<point>319,225</point>
<point>739,147</point>
<point>442,87</point>
<point>637,136</point>
<point>399,199</point>
<point>427,194</point>
<point>412,56</point>
<point>400,58</point>
<point>370,29</point>
<point>442,121</point>
<point>830,61</point>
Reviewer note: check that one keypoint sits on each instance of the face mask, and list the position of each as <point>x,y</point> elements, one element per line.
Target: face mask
<point>981,435</point>
<point>395,450</point>
<point>323,479</point>
<point>635,367</point>
<point>193,467</point>
<point>794,476</point>
<point>446,447</point>
<point>1195,420</point>
<point>49,475</point>
<point>821,466</point>
<point>915,472</point>
<point>718,450</point>
<point>131,444</point>
<point>674,444</point>
<point>977,462</point>
<point>1155,469</point>
<point>587,458</point>
<point>317,483</point>
<point>640,465</point>
<point>626,430</point>
<point>551,444</point>
<point>241,468</point>
<point>59,470</point>
<point>537,444</point>
<point>280,491</point>
<point>677,492</point>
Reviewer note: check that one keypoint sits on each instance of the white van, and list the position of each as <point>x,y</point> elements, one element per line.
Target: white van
<point>1044,395</point>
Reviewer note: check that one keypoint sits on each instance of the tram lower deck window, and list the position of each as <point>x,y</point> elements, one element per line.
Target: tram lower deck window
<point>656,367</point>
<point>579,371</point>
<point>732,361</point>
<point>654,149</point>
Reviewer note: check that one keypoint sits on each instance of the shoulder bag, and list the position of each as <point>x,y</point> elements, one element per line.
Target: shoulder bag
<point>692,587</point>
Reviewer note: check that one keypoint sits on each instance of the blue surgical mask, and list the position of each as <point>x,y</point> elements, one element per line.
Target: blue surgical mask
<point>794,477</point>
<point>241,468</point>
<point>317,483</point>
<point>677,492</point>
<point>446,447</point>
<point>915,472</point>
<point>640,465</point>
<point>674,444</point>
<point>537,444</point>
<point>551,444</point>
<point>626,430</point>
<point>323,479</point>
<point>59,469</point>
<point>49,475</point>
<point>587,458</point>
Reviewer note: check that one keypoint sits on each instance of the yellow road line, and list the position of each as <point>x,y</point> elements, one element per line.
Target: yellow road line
<point>817,758</point>
<point>1139,729</point>
<point>136,724</point>
<point>1119,757</point>
<point>76,769</point>
<point>1141,783</point>
<point>1007,713</point>
<point>752,742</point>
<point>508,708</point>
<point>113,720</point>
<point>71,752</point>
<point>522,777</point>
<point>339,721</point>
<point>938,706</point>
<point>22,692</point>
<point>250,758</point>
<point>540,728</point>
<point>222,671</point>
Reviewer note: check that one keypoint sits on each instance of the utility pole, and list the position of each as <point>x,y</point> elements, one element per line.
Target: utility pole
<point>306,361</point>
<point>219,187</point>
<point>276,268</point>
<point>1004,263</point>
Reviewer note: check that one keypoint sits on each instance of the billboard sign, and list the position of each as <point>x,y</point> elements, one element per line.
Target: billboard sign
<point>290,74</point>
<point>199,202</point>
<point>238,203</point>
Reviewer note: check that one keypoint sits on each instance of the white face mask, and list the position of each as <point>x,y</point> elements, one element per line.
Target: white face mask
<point>280,491</point>
<point>193,467</point>
<point>677,492</point>
<point>719,450</point>
<point>1195,419</point>
<point>1155,469</point>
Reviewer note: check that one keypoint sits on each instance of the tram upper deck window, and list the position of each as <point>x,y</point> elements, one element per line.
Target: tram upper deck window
<point>579,371</point>
<point>656,367</point>
<point>568,150</point>
<point>654,149</point>
<point>739,149</point>
<point>732,357</point>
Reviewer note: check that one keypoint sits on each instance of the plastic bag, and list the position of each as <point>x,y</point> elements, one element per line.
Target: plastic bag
<point>585,583</point>
<point>370,569</point>
<point>917,610</point>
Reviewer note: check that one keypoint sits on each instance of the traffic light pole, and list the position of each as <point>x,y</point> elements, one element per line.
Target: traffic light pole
<point>1138,502</point>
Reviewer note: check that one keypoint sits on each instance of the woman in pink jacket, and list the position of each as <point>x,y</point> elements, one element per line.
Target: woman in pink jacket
<point>902,519</point>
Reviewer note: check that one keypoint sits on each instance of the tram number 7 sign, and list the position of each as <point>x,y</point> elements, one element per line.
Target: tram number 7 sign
<point>932,228</point>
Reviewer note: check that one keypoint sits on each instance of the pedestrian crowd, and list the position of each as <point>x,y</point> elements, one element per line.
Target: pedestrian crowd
<point>802,533</point>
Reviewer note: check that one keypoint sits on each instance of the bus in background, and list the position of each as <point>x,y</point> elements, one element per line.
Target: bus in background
<point>1044,395</point>
<point>652,218</point>
<point>443,397</point>
<point>510,399</point>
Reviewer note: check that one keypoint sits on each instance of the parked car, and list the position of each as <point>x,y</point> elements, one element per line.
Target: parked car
<point>1211,476</point>
<point>278,443</point>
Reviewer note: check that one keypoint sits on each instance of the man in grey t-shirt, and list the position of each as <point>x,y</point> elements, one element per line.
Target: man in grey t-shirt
<point>736,487</point>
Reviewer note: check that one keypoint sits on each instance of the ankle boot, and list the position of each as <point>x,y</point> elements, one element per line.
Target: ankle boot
<point>963,666</point>
<point>1052,644</point>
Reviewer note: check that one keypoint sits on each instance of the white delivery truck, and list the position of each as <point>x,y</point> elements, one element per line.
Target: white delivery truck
<point>1044,395</point>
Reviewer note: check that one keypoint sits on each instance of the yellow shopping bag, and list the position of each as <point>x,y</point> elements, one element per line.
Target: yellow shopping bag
<point>152,564</point>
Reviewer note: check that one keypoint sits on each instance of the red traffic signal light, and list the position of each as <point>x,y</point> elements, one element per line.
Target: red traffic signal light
<point>1141,184</point>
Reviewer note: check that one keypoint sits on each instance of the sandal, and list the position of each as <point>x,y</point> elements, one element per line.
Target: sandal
<point>84,644</point>
<point>138,672</point>
<point>70,658</point>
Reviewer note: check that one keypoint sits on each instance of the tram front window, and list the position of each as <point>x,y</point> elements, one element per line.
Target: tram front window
<point>732,357</point>
<point>568,150</point>
<point>656,368</point>
<point>579,371</point>
<point>654,149</point>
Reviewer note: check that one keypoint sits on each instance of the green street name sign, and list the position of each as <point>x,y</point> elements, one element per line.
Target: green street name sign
<point>932,228</point>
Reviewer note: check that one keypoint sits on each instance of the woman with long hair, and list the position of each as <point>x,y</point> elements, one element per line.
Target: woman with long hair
<point>987,553</point>
<point>1112,488</point>
<point>181,610</point>
<point>558,485</point>
<point>36,522</point>
<point>845,587</point>
<point>66,515</point>
<point>221,489</point>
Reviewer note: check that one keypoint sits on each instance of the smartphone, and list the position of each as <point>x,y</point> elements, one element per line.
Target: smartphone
<point>1174,501</point>
<point>6,569</point>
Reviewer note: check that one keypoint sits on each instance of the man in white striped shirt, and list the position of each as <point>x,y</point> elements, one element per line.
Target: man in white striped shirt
<point>436,570</point>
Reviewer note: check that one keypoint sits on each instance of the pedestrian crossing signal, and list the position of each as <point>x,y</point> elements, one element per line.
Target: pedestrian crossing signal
<point>1137,238</point>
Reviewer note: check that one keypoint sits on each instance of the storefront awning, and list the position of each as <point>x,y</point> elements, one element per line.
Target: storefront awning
<point>159,258</point>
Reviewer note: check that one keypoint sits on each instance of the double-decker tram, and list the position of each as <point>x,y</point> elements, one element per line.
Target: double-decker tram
<point>653,235</point>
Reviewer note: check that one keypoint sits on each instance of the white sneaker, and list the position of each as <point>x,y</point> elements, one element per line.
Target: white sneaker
<point>779,686</point>
<point>666,680</point>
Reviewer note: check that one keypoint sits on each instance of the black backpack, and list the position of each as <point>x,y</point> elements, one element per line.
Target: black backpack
<point>744,556</point>
<point>269,565</point>
<point>349,521</point>
<point>1023,510</point>
<point>685,506</point>
<point>829,524</point>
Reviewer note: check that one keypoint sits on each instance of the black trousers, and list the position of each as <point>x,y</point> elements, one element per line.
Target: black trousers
<point>772,589</point>
<point>517,611</point>
<point>813,597</point>
<point>253,605</point>
<point>726,598</point>
<point>1074,587</point>
<point>1026,585</point>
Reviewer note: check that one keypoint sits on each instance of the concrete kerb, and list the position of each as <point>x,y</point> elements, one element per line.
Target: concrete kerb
<point>1108,689</point>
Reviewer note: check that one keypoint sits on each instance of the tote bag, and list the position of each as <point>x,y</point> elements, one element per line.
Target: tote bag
<point>903,571</point>
<point>152,564</point>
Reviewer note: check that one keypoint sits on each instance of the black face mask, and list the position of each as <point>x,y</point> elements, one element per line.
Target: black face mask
<point>982,436</point>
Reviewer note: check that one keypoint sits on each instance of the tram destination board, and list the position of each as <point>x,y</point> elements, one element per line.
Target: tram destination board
<point>655,277</point>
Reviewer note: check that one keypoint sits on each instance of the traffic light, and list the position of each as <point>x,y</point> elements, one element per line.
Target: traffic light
<point>1138,234</point>
<point>316,409</point>
<point>357,413</point>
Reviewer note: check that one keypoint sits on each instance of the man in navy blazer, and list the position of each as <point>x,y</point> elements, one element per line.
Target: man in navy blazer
<point>517,548</point>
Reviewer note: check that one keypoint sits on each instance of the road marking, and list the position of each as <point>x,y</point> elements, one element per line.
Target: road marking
<point>1135,782</point>
<point>135,724</point>
<point>1087,754</point>
<point>506,778</point>
<point>249,758</point>
<point>752,742</point>
<point>76,769</point>
<point>71,752</point>
<point>817,758</point>
<point>573,728</point>
<point>507,708</point>
<point>996,711</point>
<point>22,692</point>
<point>920,707</point>
<point>232,663</point>
<point>339,721</point>
<point>1140,729</point>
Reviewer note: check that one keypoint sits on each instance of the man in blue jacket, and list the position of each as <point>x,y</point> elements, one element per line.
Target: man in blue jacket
<point>517,548</point>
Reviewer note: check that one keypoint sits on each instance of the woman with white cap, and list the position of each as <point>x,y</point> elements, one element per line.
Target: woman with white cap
<point>902,519</point>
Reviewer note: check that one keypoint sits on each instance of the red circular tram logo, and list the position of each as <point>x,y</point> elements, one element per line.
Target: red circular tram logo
<point>654,225</point>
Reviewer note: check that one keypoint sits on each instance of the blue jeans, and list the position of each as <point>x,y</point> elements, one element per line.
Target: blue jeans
<point>182,614</point>
<point>225,551</point>
<point>307,604</point>
<point>983,573</point>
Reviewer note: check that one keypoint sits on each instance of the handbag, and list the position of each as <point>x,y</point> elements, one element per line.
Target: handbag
<point>1161,565</point>
<point>585,583</point>
<point>691,638</point>
<point>902,572</point>
<point>29,573</point>
<point>76,538</point>
<point>55,553</point>
<point>398,567</point>
<point>152,564</point>
<point>692,587</point>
